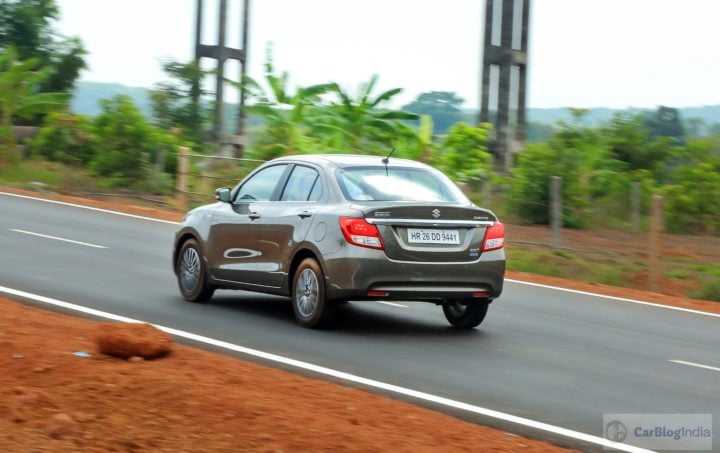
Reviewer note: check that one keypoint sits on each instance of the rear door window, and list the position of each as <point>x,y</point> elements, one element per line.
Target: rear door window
<point>302,185</point>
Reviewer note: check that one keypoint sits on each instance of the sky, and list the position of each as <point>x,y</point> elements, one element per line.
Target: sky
<point>582,53</point>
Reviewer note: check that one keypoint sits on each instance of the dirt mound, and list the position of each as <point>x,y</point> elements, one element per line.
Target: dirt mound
<point>132,341</point>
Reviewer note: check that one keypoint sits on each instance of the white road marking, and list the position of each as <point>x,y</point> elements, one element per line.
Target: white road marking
<point>340,375</point>
<point>697,365</point>
<point>621,299</point>
<point>107,211</point>
<point>86,244</point>
<point>557,288</point>
<point>392,304</point>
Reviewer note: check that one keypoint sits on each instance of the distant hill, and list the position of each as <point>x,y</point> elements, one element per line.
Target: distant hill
<point>87,97</point>
<point>710,114</point>
<point>553,115</point>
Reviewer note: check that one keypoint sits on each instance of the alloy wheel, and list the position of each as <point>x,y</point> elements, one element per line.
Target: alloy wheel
<point>190,270</point>
<point>307,293</point>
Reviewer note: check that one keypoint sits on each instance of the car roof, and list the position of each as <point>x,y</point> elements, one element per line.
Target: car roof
<point>349,160</point>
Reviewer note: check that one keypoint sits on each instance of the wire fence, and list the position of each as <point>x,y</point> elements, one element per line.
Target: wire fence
<point>199,175</point>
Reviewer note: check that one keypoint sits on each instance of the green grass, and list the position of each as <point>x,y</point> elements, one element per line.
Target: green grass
<point>709,290</point>
<point>563,263</point>
<point>40,174</point>
<point>535,262</point>
<point>614,270</point>
<point>33,174</point>
<point>706,268</point>
<point>683,269</point>
<point>679,273</point>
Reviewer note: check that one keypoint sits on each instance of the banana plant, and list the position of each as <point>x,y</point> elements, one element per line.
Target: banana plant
<point>20,97</point>
<point>289,115</point>
<point>363,120</point>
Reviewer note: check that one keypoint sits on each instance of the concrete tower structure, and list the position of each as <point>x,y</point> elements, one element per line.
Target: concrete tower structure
<point>222,53</point>
<point>504,76</point>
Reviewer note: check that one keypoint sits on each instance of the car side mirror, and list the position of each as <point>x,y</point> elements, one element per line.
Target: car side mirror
<point>223,194</point>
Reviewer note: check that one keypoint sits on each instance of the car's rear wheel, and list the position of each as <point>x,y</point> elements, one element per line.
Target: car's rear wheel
<point>310,305</point>
<point>465,314</point>
<point>191,273</point>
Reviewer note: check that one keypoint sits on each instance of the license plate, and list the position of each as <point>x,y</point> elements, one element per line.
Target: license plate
<point>422,236</point>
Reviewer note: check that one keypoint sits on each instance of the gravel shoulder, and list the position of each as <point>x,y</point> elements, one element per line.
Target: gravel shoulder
<point>56,398</point>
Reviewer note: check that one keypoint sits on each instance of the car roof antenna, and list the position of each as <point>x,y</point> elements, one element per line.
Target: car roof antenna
<point>386,160</point>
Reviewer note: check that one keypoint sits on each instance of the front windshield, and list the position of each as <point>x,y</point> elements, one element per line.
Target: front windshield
<point>379,183</point>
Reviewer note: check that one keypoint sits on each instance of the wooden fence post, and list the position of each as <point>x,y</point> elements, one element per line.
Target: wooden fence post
<point>635,206</point>
<point>556,220</point>
<point>656,227</point>
<point>181,187</point>
<point>486,193</point>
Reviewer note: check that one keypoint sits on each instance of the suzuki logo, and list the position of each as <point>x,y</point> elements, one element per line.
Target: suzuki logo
<point>436,213</point>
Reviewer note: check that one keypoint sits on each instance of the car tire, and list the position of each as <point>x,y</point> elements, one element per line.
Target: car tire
<point>465,314</point>
<point>310,304</point>
<point>192,273</point>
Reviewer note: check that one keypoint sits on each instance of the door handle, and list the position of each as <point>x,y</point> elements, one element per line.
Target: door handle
<point>254,216</point>
<point>304,214</point>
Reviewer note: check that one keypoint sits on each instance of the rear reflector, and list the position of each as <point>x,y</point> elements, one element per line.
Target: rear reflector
<point>494,237</point>
<point>358,232</point>
<point>374,293</point>
<point>481,294</point>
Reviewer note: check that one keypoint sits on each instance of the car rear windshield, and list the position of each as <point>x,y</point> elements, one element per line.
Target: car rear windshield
<point>397,184</point>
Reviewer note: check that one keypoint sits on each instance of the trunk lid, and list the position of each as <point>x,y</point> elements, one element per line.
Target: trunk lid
<point>430,232</point>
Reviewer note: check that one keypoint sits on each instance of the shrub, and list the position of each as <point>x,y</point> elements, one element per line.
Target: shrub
<point>66,138</point>
<point>709,290</point>
<point>463,155</point>
<point>130,145</point>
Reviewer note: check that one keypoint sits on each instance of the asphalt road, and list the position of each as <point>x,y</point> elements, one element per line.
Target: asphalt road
<point>557,357</point>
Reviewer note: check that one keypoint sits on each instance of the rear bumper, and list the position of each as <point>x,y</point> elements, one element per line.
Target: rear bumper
<point>355,271</point>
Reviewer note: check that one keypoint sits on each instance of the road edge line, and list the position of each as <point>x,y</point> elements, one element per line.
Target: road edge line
<point>694,364</point>
<point>338,374</point>
<point>621,299</point>
<point>107,211</point>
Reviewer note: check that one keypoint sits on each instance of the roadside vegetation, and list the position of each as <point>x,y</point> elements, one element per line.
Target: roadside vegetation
<point>120,149</point>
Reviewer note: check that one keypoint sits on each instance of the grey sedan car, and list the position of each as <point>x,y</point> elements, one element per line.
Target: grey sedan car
<point>327,229</point>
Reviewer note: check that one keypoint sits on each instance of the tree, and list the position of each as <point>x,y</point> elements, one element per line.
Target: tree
<point>695,127</point>
<point>576,153</point>
<point>20,97</point>
<point>630,141</point>
<point>714,130</point>
<point>463,155</point>
<point>177,103</point>
<point>694,187</point>
<point>666,122</point>
<point>442,106</point>
<point>130,144</point>
<point>530,193</point>
<point>538,132</point>
<point>26,25</point>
